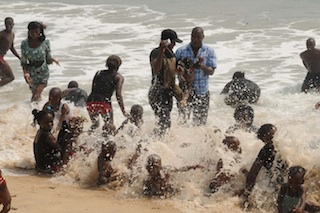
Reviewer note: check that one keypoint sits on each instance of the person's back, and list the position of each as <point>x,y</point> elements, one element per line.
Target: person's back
<point>243,90</point>
<point>311,61</point>
<point>103,86</point>
<point>78,97</point>
<point>311,58</point>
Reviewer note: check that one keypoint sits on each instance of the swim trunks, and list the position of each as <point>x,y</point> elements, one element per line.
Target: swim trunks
<point>99,107</point>
<point>2,180</point>
<point>2,61</point>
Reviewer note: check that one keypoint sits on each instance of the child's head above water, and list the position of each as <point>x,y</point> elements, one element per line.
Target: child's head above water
<point>266,132</point>
<point>153,164</point>
<point>136,112</point>
<point>296,175</point>
<point>44,118</point>
<point>55,96</point>
<point>244,114</point>
<point>232,143</point>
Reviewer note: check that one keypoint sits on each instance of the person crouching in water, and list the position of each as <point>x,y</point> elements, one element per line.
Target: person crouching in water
<point>47,151</point>
<point>107,174</point>
<point>105,82</point>
<point>157,184</point>
<point>293,194</point>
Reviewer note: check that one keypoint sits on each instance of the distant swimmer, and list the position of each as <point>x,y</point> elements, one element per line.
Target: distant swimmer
<point>241,90</point>
<point>6,43</point>
<point>311,60</point>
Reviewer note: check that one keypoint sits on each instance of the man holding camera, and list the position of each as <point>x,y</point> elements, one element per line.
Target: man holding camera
<point>204,59</point>
<point>164,68</point>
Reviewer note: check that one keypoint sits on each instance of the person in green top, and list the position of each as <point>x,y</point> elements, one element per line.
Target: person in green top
<point>35,57</point>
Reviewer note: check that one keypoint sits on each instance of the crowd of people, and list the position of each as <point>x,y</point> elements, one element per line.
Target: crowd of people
<point>192,64</point>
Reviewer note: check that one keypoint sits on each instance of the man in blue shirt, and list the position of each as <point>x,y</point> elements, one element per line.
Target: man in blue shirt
<point>204,59</point>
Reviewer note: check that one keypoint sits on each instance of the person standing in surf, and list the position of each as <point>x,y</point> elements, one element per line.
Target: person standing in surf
<point>204,59</point>
<point>164,69</point>
<point>311,61</point>
<point>6,43</point>
<point>105,82</point>
<point>35,57</point>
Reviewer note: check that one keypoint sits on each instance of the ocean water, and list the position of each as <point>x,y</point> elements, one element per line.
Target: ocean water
<point>261,38</point>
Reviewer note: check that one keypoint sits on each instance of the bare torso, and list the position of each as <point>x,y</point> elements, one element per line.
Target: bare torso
<point>6,40</point>
<point>311,60</point>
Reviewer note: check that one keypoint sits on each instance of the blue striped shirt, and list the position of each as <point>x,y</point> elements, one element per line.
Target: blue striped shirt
<point>201,80</point>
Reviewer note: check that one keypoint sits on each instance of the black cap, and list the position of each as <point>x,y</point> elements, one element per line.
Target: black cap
<point>168,33</point>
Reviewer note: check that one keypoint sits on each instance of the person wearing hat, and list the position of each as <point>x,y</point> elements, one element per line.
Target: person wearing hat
<point>204,60</point>
<point>241,90</point>
<point>164,69</point>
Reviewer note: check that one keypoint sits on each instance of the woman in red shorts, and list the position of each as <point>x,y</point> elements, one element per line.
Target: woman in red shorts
<point>105,82</point>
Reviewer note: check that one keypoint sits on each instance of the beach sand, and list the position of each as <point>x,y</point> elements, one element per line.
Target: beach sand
<point>37,194</point>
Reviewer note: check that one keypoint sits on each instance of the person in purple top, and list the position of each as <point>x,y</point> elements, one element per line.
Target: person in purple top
<point>204,59</point>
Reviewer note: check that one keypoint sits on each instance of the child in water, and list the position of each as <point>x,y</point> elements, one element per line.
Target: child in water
<point>244,116</point>
<point>267,158</point>
<point>106,172</point>
<point>47,151</point>
<point>61,110</point>
<point>223,175</point>
<point>292,195</point>
<point>135,118</point>
<point>157,184</point>
<point>5,197</point>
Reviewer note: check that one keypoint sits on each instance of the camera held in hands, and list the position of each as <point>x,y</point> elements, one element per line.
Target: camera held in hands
<point>168,42</point>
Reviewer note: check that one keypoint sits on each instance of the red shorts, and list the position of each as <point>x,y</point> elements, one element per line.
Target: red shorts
<point>2,61</point>
<point>2,180</point>
<point>99,107</point>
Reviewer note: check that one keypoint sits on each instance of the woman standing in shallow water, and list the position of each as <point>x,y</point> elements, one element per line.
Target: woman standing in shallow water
<point>35,57</point>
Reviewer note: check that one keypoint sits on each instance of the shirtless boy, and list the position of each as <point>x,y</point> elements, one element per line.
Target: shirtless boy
<point>6,43</point>
<point>311,61</point>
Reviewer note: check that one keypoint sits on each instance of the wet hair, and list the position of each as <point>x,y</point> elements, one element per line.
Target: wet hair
<point>238,75</point>
<point>242,110</point>
<point>296,170</point>
<point>136,109</point>
<point>113,62</point>
<point>39,115</point>
<point>73,84</point>
<point>264,130</point>
<point>36,25</point>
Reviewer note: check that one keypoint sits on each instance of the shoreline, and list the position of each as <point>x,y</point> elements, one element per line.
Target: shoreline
<point>37,194</point>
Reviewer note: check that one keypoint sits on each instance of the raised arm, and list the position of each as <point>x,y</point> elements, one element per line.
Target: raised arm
<point>119,81</point>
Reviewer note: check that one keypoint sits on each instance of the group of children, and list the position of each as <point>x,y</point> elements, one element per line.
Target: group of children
<point>51,153</point>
